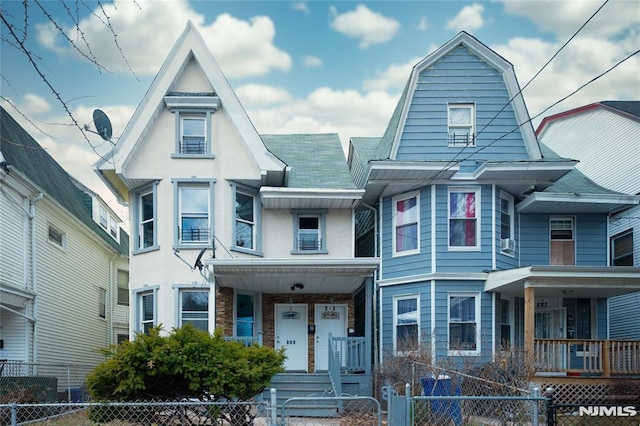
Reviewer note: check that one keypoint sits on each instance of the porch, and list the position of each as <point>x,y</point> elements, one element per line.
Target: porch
<point>587,358</point>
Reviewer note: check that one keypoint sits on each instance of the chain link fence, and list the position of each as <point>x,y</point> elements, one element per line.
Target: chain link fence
<point>232,413</point>
<point>22,382</point>
<point>338,411</point>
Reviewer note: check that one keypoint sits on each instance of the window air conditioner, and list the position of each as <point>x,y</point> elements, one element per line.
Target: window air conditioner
<point>507,244</point>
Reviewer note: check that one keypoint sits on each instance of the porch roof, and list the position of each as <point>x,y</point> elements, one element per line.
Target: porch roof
<point>566,281</point>
<point>335,276</point>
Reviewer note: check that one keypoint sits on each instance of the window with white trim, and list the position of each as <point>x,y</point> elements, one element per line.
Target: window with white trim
<point>146,311</point>
<point>245,229</point>
<point>123,287</point>
<point>145,217</point>
<point>309,232</point>
<point>622,249</point>
<point>461,124</point>
<point>406,214</point>
<point>104,217</point>
<point>464,323</point>
<point>194,308</point>
<point>193,134</point>
<point>57,237</point>
<point>464,223</point>
<point>102,302</point>
<point>561,228</point>
<point>406,327</point>
<point>194,202</point>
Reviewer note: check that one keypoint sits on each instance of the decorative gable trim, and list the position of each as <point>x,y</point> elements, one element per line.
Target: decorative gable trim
<point>493,59</point>
<point>190,45</point>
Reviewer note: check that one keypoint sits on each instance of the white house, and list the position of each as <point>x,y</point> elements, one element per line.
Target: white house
<point>63,263</point>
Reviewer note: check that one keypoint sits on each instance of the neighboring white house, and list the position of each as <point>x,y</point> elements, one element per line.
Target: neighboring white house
<point>604,137</point>
<point>230,229</point>
<point>63,262</point>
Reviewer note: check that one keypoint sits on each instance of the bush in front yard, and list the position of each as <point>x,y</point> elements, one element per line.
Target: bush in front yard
<point>187,363</point>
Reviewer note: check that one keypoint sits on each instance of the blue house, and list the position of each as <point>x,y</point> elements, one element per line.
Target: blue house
<point>486,238</point>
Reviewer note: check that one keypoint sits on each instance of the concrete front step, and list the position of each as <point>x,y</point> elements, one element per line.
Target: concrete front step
<point>302,385</point>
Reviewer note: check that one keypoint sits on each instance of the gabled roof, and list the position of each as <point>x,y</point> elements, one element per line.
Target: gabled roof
<point>190,45</point>
<point>27,157</point>
<point>629,109</point>
<point>390,141</point>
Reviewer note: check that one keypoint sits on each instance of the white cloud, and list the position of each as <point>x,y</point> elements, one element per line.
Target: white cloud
<point>364,24</point>
<point>394,77</point>
<point>300,6</point>
<point>261,95</point>
<point>248,49</point>
<point>565,17</point>
<point>311,61</point>
<point>423,25</point>
<point>468,19</point>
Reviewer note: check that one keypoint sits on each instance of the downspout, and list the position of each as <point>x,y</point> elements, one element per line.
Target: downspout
<point>34,276</point>
<point>111,291</point>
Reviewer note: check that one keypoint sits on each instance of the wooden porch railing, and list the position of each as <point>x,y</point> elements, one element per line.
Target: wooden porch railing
<point>604,357</point>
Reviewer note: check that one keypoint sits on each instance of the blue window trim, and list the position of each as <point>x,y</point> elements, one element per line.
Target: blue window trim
<point>257,214</point>
<point>137,194</point>
<point>176,212</point>
<point>179,114</point>
<point>321,214</point>
<point>137,293</point>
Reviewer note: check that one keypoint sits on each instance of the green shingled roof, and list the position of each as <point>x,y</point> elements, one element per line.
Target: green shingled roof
<point>316,161</point>
<point>24,154</point>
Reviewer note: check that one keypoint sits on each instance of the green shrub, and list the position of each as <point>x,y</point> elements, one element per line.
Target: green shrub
<point>187,363</point>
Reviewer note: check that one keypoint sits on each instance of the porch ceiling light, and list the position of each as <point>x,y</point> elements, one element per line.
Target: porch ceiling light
<point>297,286</point>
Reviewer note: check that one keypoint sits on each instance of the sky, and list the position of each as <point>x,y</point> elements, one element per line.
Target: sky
<point>296,66</point>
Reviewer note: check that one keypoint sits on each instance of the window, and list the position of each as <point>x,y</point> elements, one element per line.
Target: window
<point>406,327</point>
<point>463,218</point>
<point>145,214</point>
<point>622,249</point>
<point>193,131</point>
<point>461,118</point>
<point>309,230</point>
<point>103,217</point>
<point>102,302</point>
<point>245,221</point>
<point>505,323</point>
<point>194,226</point>
<point>561,229</point>
<point>245,315</point>
<point>405,224</point>
<point>113,227</point>
<point>146,311</point>
<point>123,287</point>
<point>463,323</point>
<point>194,308</point>
<point>506,216</point>
<point>122,338</point>
<point>56,236</point>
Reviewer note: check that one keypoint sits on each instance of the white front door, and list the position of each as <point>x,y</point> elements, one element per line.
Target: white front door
<point>550,324</point>
<point>329,319</point>
<point>291,334</point>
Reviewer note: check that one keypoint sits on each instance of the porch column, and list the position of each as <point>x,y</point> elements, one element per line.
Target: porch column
<point>368,319</point>
<point>529,319</point>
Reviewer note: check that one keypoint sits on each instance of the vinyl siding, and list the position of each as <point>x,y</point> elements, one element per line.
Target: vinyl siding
<point>69,327</point>
<point>534,236</point>
<point>623,310</point>
<point>461,77</point>
<point>14,238</point>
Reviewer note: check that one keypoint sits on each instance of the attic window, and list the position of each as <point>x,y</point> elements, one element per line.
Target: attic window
<point>193,123</point>
<point>461,124</point>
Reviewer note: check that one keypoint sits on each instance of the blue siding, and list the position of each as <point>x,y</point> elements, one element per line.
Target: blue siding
<point>534,235</point>
<point>412,264</point>
<point>591,240</point>
<point>443,288</point>
<point>461,77</point>
<point>463,261</point>
<point>601,317</point>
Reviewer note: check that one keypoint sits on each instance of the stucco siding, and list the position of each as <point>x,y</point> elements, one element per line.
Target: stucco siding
<point>461,77</point>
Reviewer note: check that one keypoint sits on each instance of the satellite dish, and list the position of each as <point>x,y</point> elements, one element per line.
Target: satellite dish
<point>199,263</point>
<point>103,125</point>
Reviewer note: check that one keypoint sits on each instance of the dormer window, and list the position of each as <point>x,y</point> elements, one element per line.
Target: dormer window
<point>461,125</point>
